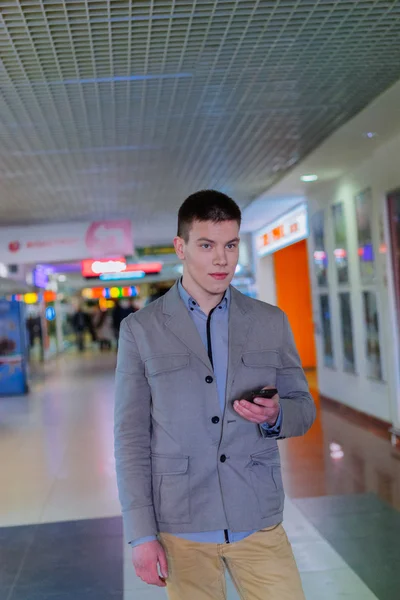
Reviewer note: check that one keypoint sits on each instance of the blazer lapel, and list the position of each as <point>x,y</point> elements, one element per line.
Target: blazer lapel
<point>239,326</point>
<point>180,324</point>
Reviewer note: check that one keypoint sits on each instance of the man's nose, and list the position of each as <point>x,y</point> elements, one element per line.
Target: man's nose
<point>220,258</point>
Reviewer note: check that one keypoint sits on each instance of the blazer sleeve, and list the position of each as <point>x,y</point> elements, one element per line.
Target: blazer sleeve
<point>132,435</point>
<point>298,408</point>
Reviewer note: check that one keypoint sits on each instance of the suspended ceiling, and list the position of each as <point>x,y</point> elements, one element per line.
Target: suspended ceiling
<point>121,109</point>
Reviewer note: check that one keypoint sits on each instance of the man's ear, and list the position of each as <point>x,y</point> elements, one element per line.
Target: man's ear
<point>179,245</point>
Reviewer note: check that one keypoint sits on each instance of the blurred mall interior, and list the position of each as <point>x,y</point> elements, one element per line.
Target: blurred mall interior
<point>111,113</point>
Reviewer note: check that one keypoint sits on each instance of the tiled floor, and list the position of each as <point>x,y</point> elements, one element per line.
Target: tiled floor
<point>60,530</point>
<point>78,559</point>
<point>365,532</point>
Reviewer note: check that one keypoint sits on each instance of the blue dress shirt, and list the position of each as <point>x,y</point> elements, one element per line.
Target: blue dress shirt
<point>219,327</point>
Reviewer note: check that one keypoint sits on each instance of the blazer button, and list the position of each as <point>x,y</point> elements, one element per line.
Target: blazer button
<point>223,458</point>
<point>209,379</point>
<point>215,420</point>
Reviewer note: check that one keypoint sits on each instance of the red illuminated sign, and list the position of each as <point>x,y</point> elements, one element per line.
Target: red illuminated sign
<point>95,268</point>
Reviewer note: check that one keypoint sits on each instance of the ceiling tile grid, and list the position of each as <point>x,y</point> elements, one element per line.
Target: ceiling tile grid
<point>117,108</point>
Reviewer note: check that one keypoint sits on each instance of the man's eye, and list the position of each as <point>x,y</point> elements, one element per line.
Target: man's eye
<point>206,246</point>
<point>231,246</point>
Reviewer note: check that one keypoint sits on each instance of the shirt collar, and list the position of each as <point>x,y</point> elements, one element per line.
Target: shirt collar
<point>191,303</point>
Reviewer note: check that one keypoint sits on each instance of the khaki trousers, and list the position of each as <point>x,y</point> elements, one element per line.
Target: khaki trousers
<point>262,567</point>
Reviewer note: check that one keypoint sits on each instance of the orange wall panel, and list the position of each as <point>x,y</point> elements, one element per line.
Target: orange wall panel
<point>293,295</point>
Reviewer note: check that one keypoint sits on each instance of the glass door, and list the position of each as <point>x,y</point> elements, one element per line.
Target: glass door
<point>394,220</point>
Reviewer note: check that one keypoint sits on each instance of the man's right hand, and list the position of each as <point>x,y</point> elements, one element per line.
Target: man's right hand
<point>146,558</point>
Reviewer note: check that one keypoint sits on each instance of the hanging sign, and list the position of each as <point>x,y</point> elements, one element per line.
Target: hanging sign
<point>288,229</point>
<point>68,241</point>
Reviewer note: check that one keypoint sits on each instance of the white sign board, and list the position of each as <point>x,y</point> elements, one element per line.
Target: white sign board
<point>3,270</point>
<point>64,242</point>
<point>288,229</point>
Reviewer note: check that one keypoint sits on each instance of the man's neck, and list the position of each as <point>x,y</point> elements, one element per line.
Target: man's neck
<point>205,300</point>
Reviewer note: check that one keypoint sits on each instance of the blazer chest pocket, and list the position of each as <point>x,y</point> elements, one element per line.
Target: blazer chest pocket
<point>165,363</point>
<point>260,368</point>
<point>171,491</point>
<point>262,359</point>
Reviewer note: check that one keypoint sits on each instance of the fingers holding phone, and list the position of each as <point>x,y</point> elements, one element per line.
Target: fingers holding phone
<point>260,406</point>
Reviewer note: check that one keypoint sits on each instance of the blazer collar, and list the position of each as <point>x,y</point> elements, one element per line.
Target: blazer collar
<point>172,301</point>
<point>181,324</point>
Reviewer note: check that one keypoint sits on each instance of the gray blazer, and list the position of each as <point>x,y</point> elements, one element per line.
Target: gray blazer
<point>178,471</point>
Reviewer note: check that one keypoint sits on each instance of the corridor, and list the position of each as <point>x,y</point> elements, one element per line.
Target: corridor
<point>60,529</point>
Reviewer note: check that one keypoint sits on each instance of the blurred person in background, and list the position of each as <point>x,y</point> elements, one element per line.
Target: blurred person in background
<point>91,326</point>
<point>198,465</point>
<point>80,323</point>
<point>103,325</point>
<point>122,309</point>
<point>34,329</point>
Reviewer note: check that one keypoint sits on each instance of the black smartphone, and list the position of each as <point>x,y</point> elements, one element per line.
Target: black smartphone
<point>260,394</point>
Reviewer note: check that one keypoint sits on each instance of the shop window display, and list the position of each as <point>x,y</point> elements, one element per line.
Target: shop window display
<point>340,252</point>
<point>326,322</point>
<point>320,254</point>
<point>347,332</point>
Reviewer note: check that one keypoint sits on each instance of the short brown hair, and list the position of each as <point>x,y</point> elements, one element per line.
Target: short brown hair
<point>206,205</point>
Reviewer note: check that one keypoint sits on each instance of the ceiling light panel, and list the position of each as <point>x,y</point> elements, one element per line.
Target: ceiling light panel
<point>116,108</point>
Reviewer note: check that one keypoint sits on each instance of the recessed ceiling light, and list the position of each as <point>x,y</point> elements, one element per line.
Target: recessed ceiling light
<point>370,134</point>
<point>308,178</point>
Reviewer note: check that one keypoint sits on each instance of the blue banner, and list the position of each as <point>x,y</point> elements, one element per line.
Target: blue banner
<point>13,375</point>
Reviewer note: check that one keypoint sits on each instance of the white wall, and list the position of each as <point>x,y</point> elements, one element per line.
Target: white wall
<point>265,278</point>
<point>381,173</point>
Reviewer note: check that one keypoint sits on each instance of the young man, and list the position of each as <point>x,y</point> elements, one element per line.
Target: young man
<point>198,468</point>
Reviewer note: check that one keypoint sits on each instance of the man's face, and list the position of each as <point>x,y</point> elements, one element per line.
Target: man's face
<point>210,255</point>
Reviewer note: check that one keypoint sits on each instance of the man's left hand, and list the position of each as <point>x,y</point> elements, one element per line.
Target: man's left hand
<point>264,410</point>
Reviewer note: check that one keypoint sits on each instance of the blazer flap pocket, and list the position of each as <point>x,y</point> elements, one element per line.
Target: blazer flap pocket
<point>166,362</point>
<point>263,358</point>
<point>270,456</point>
<point>169,465</point>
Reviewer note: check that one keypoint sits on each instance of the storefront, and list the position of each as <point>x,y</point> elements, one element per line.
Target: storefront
<point>283,275</point>
<point>349,276</point>
<point>347,294</point>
